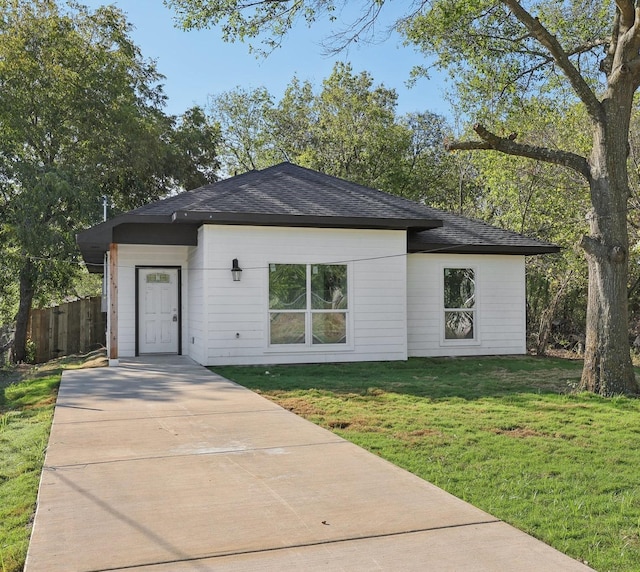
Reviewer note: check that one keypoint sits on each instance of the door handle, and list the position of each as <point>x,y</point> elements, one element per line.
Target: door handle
<point>175,318</point>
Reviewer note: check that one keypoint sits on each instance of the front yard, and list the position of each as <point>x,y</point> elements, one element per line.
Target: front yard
<point>504,434</point>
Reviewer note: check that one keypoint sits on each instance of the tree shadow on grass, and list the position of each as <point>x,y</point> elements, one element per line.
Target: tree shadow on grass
<point>434,378</point>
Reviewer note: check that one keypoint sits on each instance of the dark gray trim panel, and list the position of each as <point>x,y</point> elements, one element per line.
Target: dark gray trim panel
<point>480,249</point>
<point>158,233</point>
<point>191,217</point>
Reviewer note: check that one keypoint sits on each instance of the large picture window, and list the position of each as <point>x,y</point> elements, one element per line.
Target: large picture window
<point>308,304</point>
<point>459,304</point>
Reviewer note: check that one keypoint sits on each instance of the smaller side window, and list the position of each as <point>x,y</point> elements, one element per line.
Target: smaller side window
<point>459,304</point>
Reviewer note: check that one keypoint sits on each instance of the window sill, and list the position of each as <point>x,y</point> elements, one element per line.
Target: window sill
<point>300,349</point>
<point>460,343</point>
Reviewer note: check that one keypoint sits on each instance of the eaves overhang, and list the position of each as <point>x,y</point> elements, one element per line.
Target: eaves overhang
<point>311,221</point>
<point>94,242</point>
<point>444,248</point>
<point>180,228</point>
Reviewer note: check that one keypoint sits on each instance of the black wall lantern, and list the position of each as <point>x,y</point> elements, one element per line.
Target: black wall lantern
<point>236,271</point>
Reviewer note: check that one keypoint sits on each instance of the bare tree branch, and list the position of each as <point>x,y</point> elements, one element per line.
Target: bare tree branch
<point>507,145</point>
<point>607,64</point>
<point>634,34</point>
<point>593,246</point>
<point>627,12</point>
<point>361,28</point>
<point>546,59</point>
<point>549,41</point>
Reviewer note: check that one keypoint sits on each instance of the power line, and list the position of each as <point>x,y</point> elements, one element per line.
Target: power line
<point>266,267</point>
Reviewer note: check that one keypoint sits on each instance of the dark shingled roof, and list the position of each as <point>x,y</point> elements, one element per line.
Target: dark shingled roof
<point>288,195</point>
<point>292,191</point>
<point>467,236</point>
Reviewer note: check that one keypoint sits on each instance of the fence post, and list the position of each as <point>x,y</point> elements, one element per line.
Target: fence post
<point>62,315</point>
<point>84,325</point>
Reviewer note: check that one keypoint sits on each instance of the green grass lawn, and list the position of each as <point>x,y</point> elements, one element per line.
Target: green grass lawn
<point>27,398</point>
<point>26,409</point>
<point>505,434</point>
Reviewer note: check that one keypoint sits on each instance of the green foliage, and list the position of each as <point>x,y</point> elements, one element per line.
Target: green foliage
<point>242,116</point>
<point>429,173</point>
<point>348,128</point>
<point>191,159</point>
<point>505,434</point>
<point>80,119</point>
<point>241,21</point>
<point>291,121</point>
<point>355,134</point>
<point>493,60</point>
<point>547,202</point>
<point>8,293</point>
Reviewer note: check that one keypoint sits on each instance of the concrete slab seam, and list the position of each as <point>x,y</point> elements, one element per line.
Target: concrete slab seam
<point>147,417</point>
<point>198,454</point>
<point>294,546</point>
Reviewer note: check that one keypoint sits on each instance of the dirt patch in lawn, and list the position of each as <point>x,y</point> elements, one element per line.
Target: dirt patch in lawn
<point>519,432</point>
<point>299,406</point>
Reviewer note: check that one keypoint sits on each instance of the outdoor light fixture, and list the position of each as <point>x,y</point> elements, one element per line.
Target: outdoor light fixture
<point>236,271</point>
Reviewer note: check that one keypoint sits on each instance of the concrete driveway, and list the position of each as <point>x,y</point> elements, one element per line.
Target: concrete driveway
<point>161,465</point>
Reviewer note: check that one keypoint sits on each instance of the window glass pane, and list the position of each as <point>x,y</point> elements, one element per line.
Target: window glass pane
<point>287,286</point>
<point>459,288</point>
<point>328,287</point>
<point>158,278</point>
<point>458,325</point>
<point>287,328</point>
<point>329,328</point>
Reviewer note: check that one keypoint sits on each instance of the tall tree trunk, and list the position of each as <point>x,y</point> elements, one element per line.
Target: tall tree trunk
<point>608,368</point>
<point>27,289</point>
<point>607,362</point>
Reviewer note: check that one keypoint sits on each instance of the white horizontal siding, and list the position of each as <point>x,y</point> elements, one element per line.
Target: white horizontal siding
<point>500,307</point>
<point>395,302</point>
<point>130,256</point>
<point>237,312</point>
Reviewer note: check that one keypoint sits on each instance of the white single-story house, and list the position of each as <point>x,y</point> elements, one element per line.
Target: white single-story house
<point>288,265</point>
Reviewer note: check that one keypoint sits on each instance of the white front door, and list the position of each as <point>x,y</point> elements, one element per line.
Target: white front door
<point>158,306</point>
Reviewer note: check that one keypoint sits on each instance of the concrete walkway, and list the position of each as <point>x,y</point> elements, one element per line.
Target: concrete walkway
<point>160,465</point>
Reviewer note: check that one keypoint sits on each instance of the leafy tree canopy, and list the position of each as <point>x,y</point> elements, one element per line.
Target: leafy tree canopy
<point>348,127</point>
<point>80,118</point>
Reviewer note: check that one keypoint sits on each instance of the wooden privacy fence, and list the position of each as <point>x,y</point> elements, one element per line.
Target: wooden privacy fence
<point>75,327</point>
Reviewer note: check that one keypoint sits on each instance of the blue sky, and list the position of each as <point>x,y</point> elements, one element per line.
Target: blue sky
<point>198,63</point>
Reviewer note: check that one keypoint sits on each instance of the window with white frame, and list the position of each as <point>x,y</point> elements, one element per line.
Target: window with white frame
<point>308,304</point>
<point>459,304</point>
